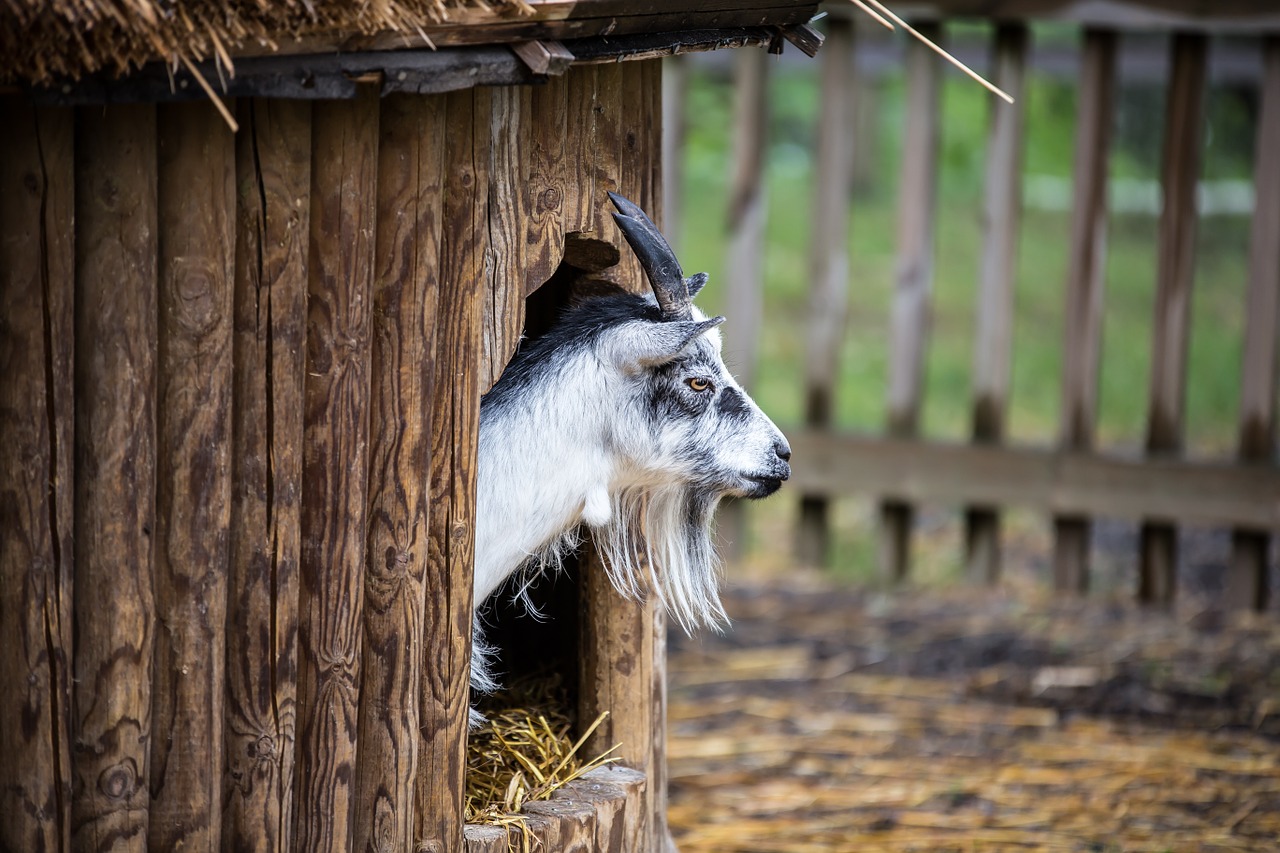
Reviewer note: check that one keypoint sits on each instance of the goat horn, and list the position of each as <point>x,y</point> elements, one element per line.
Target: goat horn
<point>656,257</point>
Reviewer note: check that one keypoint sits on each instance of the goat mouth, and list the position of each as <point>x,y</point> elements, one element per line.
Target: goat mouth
<point>761,485</point>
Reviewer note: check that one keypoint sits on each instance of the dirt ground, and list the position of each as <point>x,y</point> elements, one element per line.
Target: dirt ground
<point>834,719</point>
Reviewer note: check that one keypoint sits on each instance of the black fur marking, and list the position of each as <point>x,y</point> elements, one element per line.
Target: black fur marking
<point>579,326</point>
<point>732,404</point>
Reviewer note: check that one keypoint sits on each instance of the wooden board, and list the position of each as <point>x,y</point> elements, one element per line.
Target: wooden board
<point>1247,576</point>
<point>1175,272</point>
<point>406,291</point>
<point>455,416</point>
<point>335,468</point>
<point>36,419</point>
<point>273,191</point>
<point>115,464</point>
<point>828,263</point>
<point>1086,285</point>
<point>1058,481</point>
<point>196,191</point>
<point>994,311</point>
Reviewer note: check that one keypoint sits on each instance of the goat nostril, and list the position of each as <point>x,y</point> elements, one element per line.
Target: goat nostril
<point>783,450</point>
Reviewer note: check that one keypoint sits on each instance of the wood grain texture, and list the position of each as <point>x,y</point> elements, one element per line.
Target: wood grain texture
<point>273,178</point>
<point>1086,286</point>
<point>36,498</point>
<point>509,126</point>
<point>581,112</point>
<point>1247,584</point>
<point>912,305</point>
<point>828,262</point>
<point>335,467</point>
<point>1175,272</point>
<point>993,336</point>
<point>545,175</point>
<point>455,423</point>
<point>115,459</point>
<point>405,312</point>
<point>196,196</point>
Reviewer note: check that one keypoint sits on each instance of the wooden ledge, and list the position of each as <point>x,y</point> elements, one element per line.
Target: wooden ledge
<point>599,812</point>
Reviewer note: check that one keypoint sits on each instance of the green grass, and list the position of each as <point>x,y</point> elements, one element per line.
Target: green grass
<point>1217,315</point>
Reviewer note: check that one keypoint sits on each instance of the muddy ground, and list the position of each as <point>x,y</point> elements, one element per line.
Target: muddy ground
<point>831,718</point>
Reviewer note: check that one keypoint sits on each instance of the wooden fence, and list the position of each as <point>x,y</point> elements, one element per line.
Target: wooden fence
<point>1072,481</point>
<point>239,404</point>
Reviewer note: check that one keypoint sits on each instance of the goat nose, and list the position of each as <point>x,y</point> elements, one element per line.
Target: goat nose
<point>783,450</point>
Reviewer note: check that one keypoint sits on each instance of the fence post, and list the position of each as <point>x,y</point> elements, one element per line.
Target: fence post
<point>1175,272</point>
<point>1086,286</point>
<point>993,340</point>
<point>913,291</point>
<point>1247,573</point>
<point>744,265</point>
<point>829,262</point>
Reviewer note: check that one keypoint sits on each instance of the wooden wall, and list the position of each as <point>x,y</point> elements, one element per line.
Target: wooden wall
<point>239,396</point>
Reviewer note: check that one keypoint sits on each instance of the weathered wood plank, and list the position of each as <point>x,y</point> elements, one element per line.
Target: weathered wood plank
<point>405,311</point>
<point>993,336</point>
<point>744,254</point>
<point>828,263</point>
<point>273,176</point>
<point>196,193</point>
<point>1175,271</point>
<point>569,822</point>
<point>115,463</point>
<point>455,418</point>
<point>335,467</point>
<point>913,289</point>
<point>545,174</point>
<point>36,498</point>
<point>1086,287</point>
<point>1060,481</point>
<point>509,129</point>
<point>579,149</point>
<point>606,164</point>
<point>1248,570</point>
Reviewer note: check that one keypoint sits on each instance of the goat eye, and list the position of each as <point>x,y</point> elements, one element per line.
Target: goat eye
<point>698,384</point>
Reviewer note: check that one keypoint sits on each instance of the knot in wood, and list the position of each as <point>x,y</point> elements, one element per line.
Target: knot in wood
<point>119,781</point>
<point>31,183</point>
<point>549,199</point>
<point>263,749</point>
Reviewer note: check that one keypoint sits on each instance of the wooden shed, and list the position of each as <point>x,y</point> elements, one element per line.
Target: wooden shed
<point>241,382</point>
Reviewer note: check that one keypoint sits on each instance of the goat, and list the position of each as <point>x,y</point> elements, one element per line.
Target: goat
<point>622,418</point>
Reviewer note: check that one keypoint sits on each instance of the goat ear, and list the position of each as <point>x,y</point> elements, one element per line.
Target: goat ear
<point>695,282</point>
<point>637,345</point>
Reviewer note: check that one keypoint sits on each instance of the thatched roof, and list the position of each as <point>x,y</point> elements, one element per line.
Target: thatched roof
<point>46,41</point>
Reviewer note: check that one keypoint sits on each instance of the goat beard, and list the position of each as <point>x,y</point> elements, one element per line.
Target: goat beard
<point>660,539</point>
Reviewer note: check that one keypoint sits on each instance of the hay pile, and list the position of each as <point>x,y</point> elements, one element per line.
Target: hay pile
<point>524,753</point>
<point>44,41</point>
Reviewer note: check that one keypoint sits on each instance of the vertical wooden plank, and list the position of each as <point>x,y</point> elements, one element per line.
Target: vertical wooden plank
<point>993,338</point>
<point>1086,286</point>
<point>335,466</point>
<point>828,262</point>
<point>36,411</point>
<point>410,173</point>
<point>196,196</point>
<point>580,144</point>
<point>744,258</point>
<point>273,176</point>
<point>545,177</point>
<point>1175,271</point>
<point>622,642</point>
<point>455,424</point>
<point>115,333</point>
<point>509,131</point>
<point>913,288</point>
<point>675,128</point>
<point>1248,570</point>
